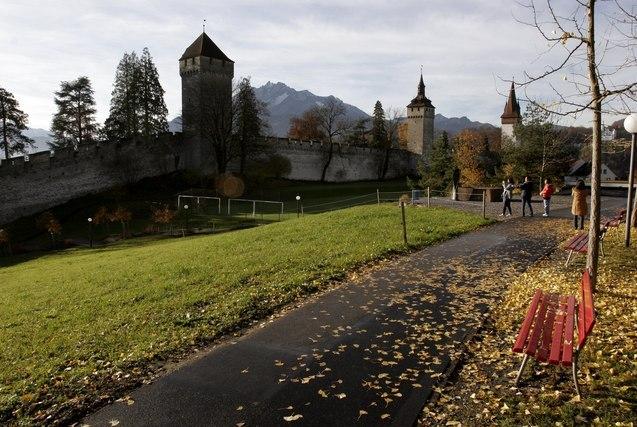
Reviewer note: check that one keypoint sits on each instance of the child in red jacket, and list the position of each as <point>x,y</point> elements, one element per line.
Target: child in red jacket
<point>546,194</point>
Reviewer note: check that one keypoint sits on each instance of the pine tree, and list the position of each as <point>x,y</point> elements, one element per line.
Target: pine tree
<point>439,175</point>
<point>74,123</point>
<point>123,121</point>
<point>151,98</point>
<point>249,120</point>
<point>379,130</point>
<point>12,122</point>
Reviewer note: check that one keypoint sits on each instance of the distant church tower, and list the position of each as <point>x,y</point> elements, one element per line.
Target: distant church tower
<point>206,84</point>
<point>511,116</point>
<point>420,123</point>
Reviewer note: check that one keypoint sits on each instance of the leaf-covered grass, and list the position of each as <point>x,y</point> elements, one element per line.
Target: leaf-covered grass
<point>484,388</point>
<point>77,325</point>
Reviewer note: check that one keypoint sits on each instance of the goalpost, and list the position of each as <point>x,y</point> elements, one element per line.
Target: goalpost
<point>248,206</point>
<point>197,200</point>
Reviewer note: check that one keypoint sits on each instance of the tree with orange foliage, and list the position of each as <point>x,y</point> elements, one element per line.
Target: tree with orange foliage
<point>124,216</point>
<point>307,126</point>
<point>470,150</point>
<point>47,222</point>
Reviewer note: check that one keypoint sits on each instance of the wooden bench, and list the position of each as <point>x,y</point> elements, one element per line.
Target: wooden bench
<point>547,332</point>
<point>579,243</point>
<point>615,221</point>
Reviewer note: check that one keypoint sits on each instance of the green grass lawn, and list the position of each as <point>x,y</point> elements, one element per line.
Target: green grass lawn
<point>79,324</point>
<point>142,197</point>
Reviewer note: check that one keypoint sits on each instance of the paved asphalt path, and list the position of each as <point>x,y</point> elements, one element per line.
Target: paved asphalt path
<point>366,353</point>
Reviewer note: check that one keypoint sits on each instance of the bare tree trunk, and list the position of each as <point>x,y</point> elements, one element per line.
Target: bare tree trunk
<point>592,257</point>
<point>330,154</point>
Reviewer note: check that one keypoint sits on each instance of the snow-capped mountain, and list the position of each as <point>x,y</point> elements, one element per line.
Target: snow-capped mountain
<point>284,102</point>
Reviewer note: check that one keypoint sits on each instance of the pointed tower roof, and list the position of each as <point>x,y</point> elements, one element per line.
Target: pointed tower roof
<point>511,112</point>
<point>420,100</point>
<point>204,46</point>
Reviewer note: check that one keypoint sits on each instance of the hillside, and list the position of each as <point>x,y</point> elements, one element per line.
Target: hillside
<point>98,321</point>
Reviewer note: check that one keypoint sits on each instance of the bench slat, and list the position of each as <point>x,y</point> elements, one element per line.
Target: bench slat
<point>582,245</point>
<point>526,324</point>
<point>538,326</point>
<point>567,348</point>
<point>586,311</point>
<point>547,331</point>
<point>558,333</point>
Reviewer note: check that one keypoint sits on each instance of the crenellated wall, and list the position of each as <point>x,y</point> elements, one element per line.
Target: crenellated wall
<point>48,178</point>
<point>33,183</point>
<point>349,162</point>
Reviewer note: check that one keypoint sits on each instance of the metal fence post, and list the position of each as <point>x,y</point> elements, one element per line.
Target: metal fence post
<point>402,208</point>
<point>254,207</point>
<point>484,204</point>
<point>428,198</point>
<point>228,207</point>
<point>378,196</point>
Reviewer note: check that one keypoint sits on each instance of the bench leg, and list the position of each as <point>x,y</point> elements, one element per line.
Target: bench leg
<point>570,254</point>
<point>574,365</point>
<point>526,359</point>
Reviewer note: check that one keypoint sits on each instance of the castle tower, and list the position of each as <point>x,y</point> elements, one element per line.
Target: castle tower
<point>206,97</point>
<point>511,116</point>
<point>420,123</point>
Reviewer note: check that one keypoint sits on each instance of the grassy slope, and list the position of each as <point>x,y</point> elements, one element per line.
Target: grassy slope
<point>71,321</point>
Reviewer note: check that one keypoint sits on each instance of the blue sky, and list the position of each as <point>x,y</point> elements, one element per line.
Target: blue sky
<point>358,50</point>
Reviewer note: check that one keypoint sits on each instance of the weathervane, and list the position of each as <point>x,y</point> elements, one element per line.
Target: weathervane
<point>421,69</point>
<point>204,25</point>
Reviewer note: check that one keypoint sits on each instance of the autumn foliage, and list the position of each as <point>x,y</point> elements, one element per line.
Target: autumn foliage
<point>307,126</point>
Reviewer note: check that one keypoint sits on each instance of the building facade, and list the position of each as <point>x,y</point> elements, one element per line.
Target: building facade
<point>206,98</point>
<point>511,117</point>
<point>419,125</point>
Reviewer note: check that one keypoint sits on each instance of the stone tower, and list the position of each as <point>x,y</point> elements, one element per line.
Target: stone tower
<point>420,123</point>
<point>206,97</point>
<point>511,116</point>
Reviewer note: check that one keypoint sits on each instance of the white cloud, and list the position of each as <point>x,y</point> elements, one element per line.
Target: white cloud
<point>358,50</point>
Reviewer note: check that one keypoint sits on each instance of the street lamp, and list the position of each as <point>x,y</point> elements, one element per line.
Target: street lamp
<point>187,217</point>
<point>298,206</point>
<point>630,124</point>
<point>90,232</point>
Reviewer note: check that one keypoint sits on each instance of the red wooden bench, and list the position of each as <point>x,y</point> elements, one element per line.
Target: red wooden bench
<point>579,243</point>
<point>547,332</point>
<point>615,221</point>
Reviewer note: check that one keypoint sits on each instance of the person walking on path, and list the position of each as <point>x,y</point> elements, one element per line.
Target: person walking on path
<point>546,194</point>
<point>527,194</point>
<point>507,192</point>
<point>580,206</point>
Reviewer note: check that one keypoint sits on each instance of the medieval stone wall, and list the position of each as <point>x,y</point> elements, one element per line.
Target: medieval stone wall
<point>42,180</point>
<point>349,163</point>
<point>39,181</point>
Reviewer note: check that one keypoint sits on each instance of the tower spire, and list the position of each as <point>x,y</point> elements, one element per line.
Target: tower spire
<point>204,26</point>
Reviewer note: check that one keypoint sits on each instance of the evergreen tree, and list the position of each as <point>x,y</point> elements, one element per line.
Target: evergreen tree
<point>379,130</point>
<point>439,175</point>
<point>123,120</point>
<point>249,120</point>
<point>357,135</point>
<point>151,98</point>
<point>74,122</point>
<point>12,122</point>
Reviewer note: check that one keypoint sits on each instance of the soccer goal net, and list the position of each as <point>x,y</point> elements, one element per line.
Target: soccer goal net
<point>203,204</point>
<point>254,207</point>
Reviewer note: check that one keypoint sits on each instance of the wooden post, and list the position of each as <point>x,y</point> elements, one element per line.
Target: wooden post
<point>428,198</point>
<point>402,208</point>
<point>254,208</point>
<point>484,204</point>
<point>378,196</point>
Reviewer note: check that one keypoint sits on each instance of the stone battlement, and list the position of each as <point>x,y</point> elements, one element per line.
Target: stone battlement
<point>87,153</point>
